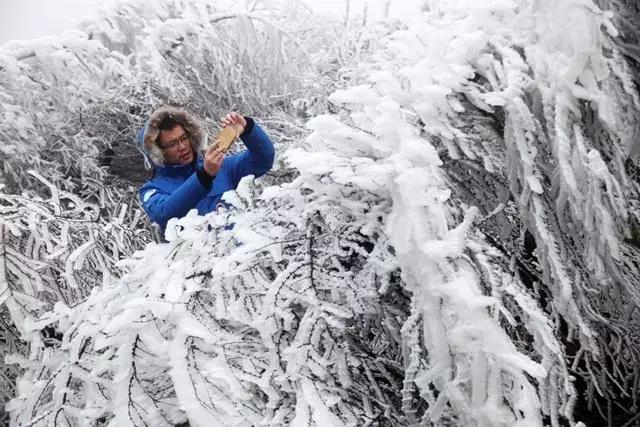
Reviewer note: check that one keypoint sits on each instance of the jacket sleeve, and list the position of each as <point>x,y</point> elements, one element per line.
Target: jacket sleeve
<point>258,159</point>
<point>162,206</point>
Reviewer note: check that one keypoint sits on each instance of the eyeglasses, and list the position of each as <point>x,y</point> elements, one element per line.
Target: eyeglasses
<point>185,137</point>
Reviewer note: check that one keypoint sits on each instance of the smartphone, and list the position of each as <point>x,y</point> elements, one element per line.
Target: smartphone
<point>225,138</point>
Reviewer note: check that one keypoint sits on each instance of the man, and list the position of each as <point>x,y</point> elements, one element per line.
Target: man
<point>184,178</point>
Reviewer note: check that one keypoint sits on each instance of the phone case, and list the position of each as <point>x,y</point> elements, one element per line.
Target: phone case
<point>225,138</point>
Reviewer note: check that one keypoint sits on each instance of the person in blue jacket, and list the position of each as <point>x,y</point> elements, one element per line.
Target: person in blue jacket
<point>185,178</point>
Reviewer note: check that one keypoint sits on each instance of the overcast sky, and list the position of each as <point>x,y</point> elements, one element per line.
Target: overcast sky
<point>29,19</point>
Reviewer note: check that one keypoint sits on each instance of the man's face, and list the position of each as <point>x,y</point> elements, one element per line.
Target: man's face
<point>176,146</point>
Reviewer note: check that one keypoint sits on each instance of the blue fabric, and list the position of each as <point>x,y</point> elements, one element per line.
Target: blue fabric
<point>176,189</point>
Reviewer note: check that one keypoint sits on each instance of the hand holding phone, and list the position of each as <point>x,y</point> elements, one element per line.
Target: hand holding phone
<point>235,121</point>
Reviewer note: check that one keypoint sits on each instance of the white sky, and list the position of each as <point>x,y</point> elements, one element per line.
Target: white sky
<point>29,19</point>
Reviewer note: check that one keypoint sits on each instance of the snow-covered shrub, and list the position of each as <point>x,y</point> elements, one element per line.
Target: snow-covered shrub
<point>533,125</point>
<point>11,344</point>
<point>71,105</point>
<point>451,251</point>
<point>66,98</point>
<point>277,321</point>
<point>59,248</point>
<point>54,249</point>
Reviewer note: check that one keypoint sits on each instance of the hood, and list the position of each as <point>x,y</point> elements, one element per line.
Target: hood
<point>148,136</point>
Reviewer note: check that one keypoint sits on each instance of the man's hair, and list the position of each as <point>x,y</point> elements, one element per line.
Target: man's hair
<point>167,123</point>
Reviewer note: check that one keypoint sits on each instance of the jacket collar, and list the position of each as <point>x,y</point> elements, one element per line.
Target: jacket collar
<point>179,170</point>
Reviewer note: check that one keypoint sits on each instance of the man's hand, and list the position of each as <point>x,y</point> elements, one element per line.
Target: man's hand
<point>213,161</point>
<point>236,121</point>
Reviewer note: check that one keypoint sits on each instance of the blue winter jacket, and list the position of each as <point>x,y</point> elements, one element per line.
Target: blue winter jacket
<point>176,189</point>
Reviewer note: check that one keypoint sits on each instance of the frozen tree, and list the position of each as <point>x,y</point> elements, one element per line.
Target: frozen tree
<point>278,320</point>
<point>55,249</point>
<point>66,99</point>
<point>536,128</point>
<point>453,243</point>
<point>497,111</point>
<point>71,106</point>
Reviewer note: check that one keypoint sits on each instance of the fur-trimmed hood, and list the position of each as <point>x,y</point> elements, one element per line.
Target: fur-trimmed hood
<point>149,135</point>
